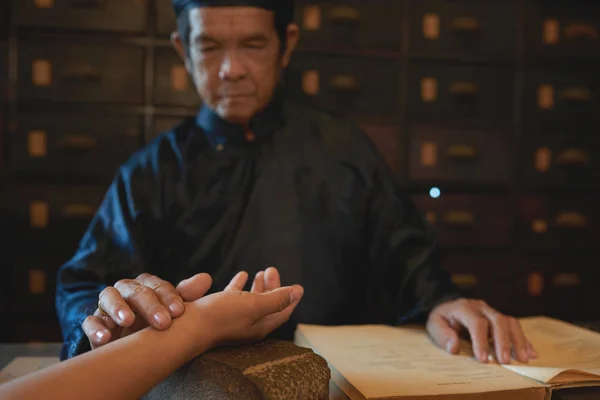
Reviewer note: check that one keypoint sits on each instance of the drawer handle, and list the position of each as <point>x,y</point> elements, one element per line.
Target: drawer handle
<point>462,152</point>
<point>78,210</point>
<point>543,159</point>
<point>581,30</point>
<point>39,214</point>
<point>37,282</point>
<point>539,226</point>
<point>343,83</point>
<point>86,3</point>
<point>463,88</point>
<point>343,14</point>
<point>312,18</point>
<point>573,156</point>
<point>78,143</point>
<point>566,280</point>
<point>571,220</point>
<point>466,24</point>
<point>82,73</point>
<point>465,281</point>
<point>576,93</point>
<point>459,218</point>
<point>535,284</point>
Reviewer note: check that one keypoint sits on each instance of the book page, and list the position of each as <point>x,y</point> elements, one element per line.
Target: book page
<point>374,361</point>
<point>567,353</point>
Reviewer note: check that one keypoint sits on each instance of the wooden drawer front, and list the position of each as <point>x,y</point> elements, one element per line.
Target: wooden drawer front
<point>73,146</point>
<point>387,140</point>
<point>81,73</point>
<point>564,96</point>
<point>351,24</point>
<point>165,19</point>
<point>559,222</point>
<point>34,285</point>
<point>463,29</point>
<point>347,85</point>
<point>53,218</point>
<point>95,15</point>
<point>172,84</point>
<point>3,73</point>
<point>37,330</point>
<point>562,286</point>
<point>563,30</point>
<point>561,161</point>
<point>448,156</point>
<point>464,220</point>
<point>471,93</point>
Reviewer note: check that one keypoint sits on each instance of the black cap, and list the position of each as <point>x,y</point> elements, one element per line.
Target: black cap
<point>282,8</point>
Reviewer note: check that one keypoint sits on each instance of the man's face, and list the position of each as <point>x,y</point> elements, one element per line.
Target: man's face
<point>235,58</point>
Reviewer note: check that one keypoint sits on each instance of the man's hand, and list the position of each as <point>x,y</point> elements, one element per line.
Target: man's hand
<point>482,322</point>
<point>134,304</point>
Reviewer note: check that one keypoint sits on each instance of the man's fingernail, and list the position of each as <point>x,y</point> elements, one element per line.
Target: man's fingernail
<point>484,357</point>
<point>161,318</point>
<point>449,346</point>
<point>175,307</point>
<point>506,356</point>
<point>100,335</point>
<point>122,315</point>
<point>296,294</point>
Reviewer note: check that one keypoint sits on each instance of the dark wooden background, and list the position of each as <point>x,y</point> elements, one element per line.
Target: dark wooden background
<point>495,103</point>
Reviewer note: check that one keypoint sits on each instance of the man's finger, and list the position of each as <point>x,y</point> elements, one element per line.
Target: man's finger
<point>442,333</point>
<point>500,332</point>
<point>144,301</point>
<point>96,332</point>
<point>238,282</point>
<point>519,342</point>
<point>276,307</point>
<point>272,279</point>
<point>166,293</point>
<point>258,286</point>
<point>531,351</point>
<point>478,326</point>
<point>113,303</point>
<point>194,288</point>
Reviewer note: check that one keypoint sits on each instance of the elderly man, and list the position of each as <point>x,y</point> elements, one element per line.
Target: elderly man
<point>258,180</point>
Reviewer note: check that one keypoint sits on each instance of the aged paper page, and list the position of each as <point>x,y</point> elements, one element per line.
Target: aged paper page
<point>374,361</point>
<point>567,353</point>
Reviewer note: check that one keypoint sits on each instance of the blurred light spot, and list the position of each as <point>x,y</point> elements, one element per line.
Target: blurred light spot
<point>434,192</point>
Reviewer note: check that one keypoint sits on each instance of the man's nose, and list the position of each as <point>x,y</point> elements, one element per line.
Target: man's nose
<point>232,67</point>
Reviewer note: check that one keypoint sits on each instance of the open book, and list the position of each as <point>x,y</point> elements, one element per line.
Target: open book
<point>382,362</point>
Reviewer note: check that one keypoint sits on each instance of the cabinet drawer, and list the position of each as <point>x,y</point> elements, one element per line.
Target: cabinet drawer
<point>461,93</point>
<point>37,330</point>
<point>350,24</point>
<point>3,73</point>
<point>488,276</point>
<point>95,15</point>
<point>560,161</point>
<point>463,29</point>
<point>77,72</point>
<point>52,219</point>
<point>465,220</point>
<point>73,146</point>
<point>563,30</point>
<point>172,84</point>
<point>559,222</point>
<point>562,96</point>
<point>387,140</point>
<point>165,17</point>
<point>163,125</point>
<point>34,285</point>
<point>562,286</point>
<point>459,156</point>
<point>347,85</point>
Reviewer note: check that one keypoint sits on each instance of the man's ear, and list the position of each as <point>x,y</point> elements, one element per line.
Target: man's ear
<point>177,44</point>
<point>292,37</point>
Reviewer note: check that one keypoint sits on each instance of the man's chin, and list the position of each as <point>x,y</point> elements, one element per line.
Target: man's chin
<point>235,115</point>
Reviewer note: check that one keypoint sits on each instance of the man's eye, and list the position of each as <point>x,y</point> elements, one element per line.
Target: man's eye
<point>207,49</point>
<point>255,45</point>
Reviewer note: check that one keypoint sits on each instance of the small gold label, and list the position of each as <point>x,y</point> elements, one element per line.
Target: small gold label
<point>535,284</point>
<point>41,73</point>
<point>37,144</point>
<point>429,154</point>
<point>310,82</point>
<point>312,18</point>
<point>39,214</point>
<point>429,89</point>
<point>37,281</point>
<point>543,159</point>
<point>546,97</point>
<point>551,31</point>
<point>43,3</point>
<point>431,26</point>
<point>539,226</point>
<point>179,78</point>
